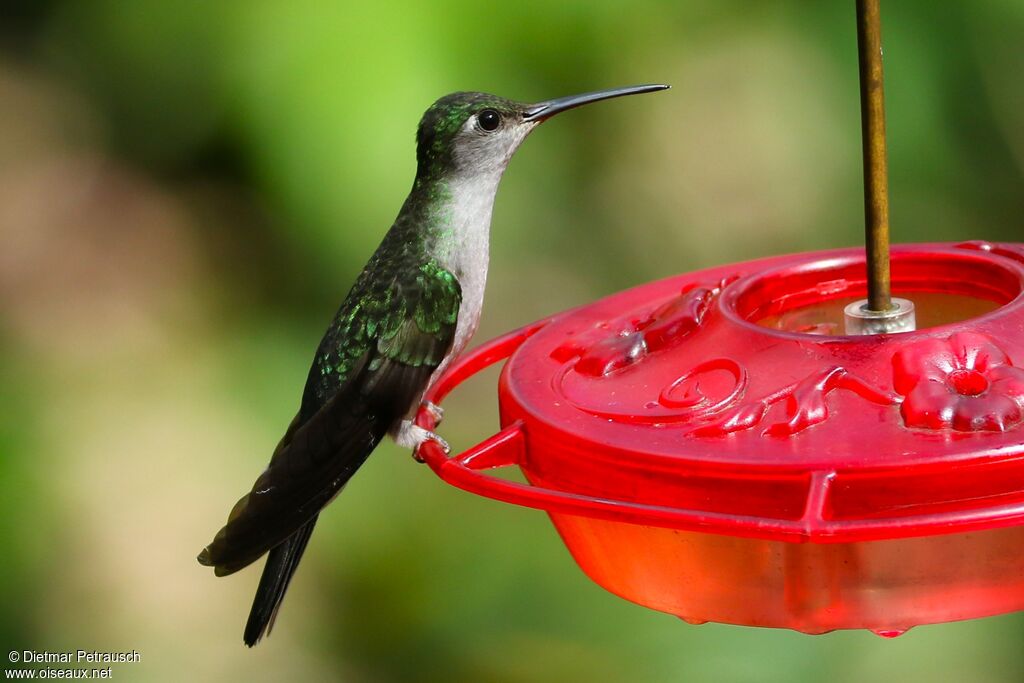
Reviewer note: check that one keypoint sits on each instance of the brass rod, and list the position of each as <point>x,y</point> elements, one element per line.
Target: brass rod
<point>876,173</point>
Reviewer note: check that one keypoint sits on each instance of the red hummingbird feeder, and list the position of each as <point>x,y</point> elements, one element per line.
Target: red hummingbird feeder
<point>779,442</point>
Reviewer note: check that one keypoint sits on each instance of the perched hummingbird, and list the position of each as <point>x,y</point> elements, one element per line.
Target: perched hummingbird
<point>410,313</point>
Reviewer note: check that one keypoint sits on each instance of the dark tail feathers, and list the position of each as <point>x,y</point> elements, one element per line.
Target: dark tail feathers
<point>282,561</point>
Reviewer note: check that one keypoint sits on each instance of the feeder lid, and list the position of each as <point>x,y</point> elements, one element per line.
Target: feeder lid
<point>734,378</point>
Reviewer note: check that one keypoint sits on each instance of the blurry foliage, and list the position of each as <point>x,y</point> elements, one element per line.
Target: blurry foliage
<point>188,188</point>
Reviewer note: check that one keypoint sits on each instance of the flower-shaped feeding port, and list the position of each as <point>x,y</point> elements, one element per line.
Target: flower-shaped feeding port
<point>707,445</point>
<point>965,382</point>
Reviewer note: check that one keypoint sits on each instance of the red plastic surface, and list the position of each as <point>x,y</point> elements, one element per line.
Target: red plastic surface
<point>669,428</point>
<point>666,405</point>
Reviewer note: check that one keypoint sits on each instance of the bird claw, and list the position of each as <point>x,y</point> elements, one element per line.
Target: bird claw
<point>435,411</point>
<point>414,436</point>
<point>442,443</point>
<point>430,436</point>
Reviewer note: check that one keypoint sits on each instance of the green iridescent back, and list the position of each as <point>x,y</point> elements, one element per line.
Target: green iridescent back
<point>403,308</point>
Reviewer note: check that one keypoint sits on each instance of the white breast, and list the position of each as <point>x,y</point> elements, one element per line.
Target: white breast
<point>465,254</point>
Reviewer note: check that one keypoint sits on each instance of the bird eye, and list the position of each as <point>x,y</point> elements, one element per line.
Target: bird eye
<point>488,119</point>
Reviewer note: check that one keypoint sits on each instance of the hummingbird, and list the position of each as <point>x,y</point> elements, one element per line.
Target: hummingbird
<point>410,313</point>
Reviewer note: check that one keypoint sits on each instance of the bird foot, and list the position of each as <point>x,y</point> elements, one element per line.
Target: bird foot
<point>435,411</point>
<point>411,435</point>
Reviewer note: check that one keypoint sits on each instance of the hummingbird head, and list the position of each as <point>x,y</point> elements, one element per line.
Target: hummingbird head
<point>477,133</point>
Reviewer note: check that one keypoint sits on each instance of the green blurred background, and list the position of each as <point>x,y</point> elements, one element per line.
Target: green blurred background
<point>187,189</point>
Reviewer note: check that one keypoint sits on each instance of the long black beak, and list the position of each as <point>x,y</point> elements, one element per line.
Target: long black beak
<point>543,110</point>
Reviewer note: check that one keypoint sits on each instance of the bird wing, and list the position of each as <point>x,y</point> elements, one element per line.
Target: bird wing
<point>380,354</point>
